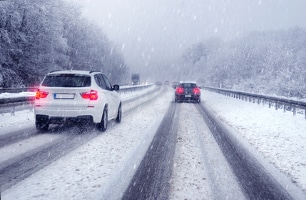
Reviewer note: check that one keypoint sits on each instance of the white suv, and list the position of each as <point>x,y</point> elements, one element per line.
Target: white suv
<point>78,96</point>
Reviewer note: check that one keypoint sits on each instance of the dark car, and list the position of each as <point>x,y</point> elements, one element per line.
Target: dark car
<point>188,91</point>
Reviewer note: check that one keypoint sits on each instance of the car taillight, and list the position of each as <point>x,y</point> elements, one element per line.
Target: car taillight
<point>196,90</point>
<point>41,94</point>
<point>92,95</point>
<point>179,90</point>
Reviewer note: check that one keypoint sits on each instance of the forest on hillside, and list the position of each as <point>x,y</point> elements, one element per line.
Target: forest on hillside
<point>38,36</point>
<point>270,62</point>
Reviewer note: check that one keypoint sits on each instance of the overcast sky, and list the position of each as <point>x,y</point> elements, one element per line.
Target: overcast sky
<point>153,33</point>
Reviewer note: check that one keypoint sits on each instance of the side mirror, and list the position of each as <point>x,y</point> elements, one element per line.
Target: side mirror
<point>116,87</point>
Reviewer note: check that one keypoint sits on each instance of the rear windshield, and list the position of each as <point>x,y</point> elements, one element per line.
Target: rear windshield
<point>188,85</point>
<point>66,80</point>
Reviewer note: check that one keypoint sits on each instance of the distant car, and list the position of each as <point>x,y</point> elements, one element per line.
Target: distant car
<point>188,91</point>
<point>159,83</point>
<point>79,96</point>
<point>135,79</point>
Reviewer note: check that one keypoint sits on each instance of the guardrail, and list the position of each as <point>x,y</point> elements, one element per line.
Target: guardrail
<point>133,88</point>
<point>272,101</point>
<point>25,96</point>
<point>16,95</point>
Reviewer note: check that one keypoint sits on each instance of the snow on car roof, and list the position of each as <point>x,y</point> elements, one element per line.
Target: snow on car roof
<point>188,82</point>
<point>73,72</point>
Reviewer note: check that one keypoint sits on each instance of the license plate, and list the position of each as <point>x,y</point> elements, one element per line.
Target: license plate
<point>63,96</point>
<point>188,95</point>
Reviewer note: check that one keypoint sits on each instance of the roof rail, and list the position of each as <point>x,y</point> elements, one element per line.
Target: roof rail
<point>92,71</point>
<point>55,71</point>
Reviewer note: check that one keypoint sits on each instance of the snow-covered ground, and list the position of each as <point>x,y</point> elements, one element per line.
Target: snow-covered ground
<point>279,137</point>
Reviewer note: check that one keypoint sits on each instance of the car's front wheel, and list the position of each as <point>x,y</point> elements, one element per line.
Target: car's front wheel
<point>102,126</point>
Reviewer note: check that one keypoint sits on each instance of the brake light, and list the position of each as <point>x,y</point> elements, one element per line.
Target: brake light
<point>196,90</point>
<point>92,95</point>
<point>179,90</point>
<point>41,94</point>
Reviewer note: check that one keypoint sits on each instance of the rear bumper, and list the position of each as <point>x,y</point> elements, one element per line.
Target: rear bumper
<point>60,114</point>
<point>60,120</point>
<point>187,98</point>
<point>69,112</point>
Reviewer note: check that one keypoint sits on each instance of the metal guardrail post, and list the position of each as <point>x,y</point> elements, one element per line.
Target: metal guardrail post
<point>13,111</point>
<point>276,105</point>
<point>294,110</point>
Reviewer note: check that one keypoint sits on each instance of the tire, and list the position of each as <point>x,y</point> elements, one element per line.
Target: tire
<point>41,124</point>
<point>119,114</point>
<point>102,126</point>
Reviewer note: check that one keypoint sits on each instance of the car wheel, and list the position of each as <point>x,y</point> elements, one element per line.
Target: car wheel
<point>102,126</point>
<point>41,124</point>
<point>119,114</point>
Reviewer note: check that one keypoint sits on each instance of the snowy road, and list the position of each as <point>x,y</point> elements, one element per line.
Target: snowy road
<point>200,169</point>
<point>152,176</point>
<point>184,160</point>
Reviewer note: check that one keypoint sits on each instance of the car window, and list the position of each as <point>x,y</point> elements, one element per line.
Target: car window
<point>100,82</point>
<point>107,82</point>
<point>188,85</point>
<point>66,80</point>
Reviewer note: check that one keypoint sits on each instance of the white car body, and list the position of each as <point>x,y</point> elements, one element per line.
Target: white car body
<point>80,101</point>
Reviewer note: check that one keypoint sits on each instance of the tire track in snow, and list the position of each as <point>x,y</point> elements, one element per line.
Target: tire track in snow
<point>200,170</point>
<point>151,180</point>
<point>254,179</point>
